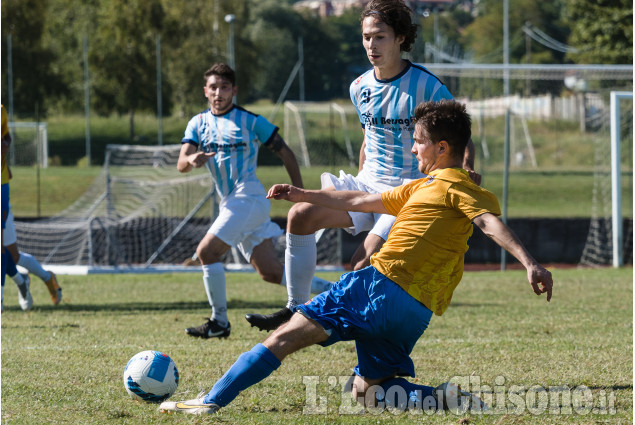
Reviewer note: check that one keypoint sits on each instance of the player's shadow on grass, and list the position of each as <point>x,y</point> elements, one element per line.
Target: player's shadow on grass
<point>260,306</point>
<point>611,387</point>
<point>138,306</point>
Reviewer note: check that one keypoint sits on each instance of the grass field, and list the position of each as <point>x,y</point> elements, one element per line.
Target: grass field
<point>64,365</point>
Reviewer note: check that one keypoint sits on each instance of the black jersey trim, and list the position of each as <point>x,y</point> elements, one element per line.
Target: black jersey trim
<point>424,69</point>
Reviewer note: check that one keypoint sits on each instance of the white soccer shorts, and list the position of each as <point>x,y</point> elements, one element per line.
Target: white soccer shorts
<point>378,224</point>
<point>243,222</point>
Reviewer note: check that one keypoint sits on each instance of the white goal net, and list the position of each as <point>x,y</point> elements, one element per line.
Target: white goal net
<point>138,211</point>
<point>30,144</point>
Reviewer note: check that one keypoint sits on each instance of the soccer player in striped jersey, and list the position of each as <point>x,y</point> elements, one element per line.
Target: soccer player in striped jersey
<point>225,138</point>
<point>385,98</point>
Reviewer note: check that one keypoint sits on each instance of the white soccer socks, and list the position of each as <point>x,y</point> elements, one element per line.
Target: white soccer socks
<point>299,267</point>
<point>30,263</point>
<point>214,281</point>
<point>318,285</point>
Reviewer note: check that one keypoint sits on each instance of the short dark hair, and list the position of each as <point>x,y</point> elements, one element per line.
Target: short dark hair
<point>222,70</point>
<point>396,15</point>
<point>445,120</point>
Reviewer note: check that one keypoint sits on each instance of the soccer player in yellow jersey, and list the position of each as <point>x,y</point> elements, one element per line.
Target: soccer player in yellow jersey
<point>9,239</point>
<point>387,306</point>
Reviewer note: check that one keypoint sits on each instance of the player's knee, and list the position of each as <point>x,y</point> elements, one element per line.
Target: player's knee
<point>301,219</point>
<point>16,255</point>
<point>207,255</point>
<point>271,276</point>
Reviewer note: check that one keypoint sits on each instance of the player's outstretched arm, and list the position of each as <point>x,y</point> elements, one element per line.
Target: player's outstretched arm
<point>539,277</point>
<point>278,146</point>
<point>345,200</point>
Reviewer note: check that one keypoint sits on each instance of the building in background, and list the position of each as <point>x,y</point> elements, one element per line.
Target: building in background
<point>326,8</point>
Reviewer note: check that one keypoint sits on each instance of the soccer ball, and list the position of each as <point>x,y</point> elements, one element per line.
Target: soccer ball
<point>150,376</point>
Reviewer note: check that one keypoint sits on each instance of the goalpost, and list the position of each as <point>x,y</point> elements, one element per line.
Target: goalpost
<point>616,183</point>
<point>606,243</point>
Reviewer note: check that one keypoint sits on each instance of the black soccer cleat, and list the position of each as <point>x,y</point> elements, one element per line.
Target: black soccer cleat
<point>210,329</point>
<point>269,322</point>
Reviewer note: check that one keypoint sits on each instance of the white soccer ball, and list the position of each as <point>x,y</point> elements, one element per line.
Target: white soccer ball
<point>151,376</point>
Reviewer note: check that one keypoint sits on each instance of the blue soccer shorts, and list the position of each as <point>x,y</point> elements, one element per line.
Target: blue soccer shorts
<point>5,203</point>
<point>381,317</point>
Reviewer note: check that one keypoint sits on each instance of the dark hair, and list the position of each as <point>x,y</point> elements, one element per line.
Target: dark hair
<point>445,120</point>
<point>396,15</point>
<point>222,70</point>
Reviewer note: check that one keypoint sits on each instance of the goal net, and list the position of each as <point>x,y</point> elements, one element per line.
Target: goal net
<point>138,211</point>
<point>29,144</point>
<point>320,133</point>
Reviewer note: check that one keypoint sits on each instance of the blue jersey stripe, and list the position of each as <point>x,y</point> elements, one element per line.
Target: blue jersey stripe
<point>235,138</point>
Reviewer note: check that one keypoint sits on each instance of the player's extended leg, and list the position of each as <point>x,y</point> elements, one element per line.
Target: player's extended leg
<point>210,251</point>
<point>254,365</point>
<point>300,257</point>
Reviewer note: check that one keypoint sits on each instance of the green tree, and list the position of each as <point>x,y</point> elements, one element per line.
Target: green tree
<point>36,79</point>
<point>68,23</point>
<point>123,58</point>
<point>273,28</point>
<point>351,59</point>
<point>602,30</point>
<point>484,37</point>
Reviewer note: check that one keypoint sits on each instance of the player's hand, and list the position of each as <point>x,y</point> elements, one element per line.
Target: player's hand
<point>284,191</point>
<point>540,280</point>
<point>198,159</point>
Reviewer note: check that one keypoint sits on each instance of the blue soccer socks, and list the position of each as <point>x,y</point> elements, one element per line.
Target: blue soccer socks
<point>249,369</point>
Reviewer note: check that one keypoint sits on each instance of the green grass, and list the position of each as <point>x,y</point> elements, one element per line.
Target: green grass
<point>531,193</point>
<point>64,365</point>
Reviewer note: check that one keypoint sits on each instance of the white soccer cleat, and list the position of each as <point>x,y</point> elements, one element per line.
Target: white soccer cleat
<point>192,407</point>
<point>24,294</point>
<point>451,397</point>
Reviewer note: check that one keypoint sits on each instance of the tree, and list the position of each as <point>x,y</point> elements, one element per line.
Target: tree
<point>484,37</point>
<point>351,59</point>
<point>123,56</point>
<point>35,79</point>
<point>68,23</point>
<point>602,30</point>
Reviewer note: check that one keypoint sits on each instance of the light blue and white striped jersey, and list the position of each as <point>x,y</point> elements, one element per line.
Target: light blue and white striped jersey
<point>386,111</point>
<point>235,137</point>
